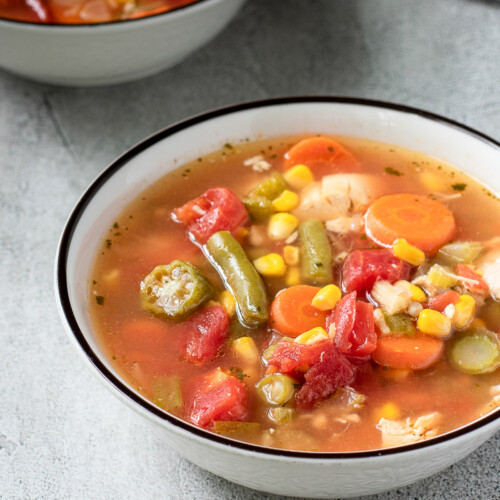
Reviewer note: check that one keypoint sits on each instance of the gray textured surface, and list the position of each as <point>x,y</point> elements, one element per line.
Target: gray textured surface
<point>61,433</point>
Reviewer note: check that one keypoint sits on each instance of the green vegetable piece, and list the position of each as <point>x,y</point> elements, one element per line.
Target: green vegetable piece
<point>400,323</point>
<point>259,207</point>
<point>474,351</point>
<point>240,278</point>
<point>271,188</point>
<point>316,253</point>
<point>267,354</point>
<point>167,393</point>
<point>174,290</point>
<point>235,429</point>
<point>276,389</point>
<point>281,415</point>
<point>459,252</point>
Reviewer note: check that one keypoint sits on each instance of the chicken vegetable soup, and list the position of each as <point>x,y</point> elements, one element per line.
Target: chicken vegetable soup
<point>84,11</point>
<point>307,293</point>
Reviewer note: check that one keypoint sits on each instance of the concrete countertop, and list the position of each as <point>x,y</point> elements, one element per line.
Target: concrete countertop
<point>62,435</point>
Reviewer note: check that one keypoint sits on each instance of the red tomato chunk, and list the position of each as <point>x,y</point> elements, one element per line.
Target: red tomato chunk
<point>467,272</point>
<point>363,267</point>
<point>218,209</point>
<point>219,397</point>
<point>354,326</point>
<point>324,378</point>
<point>442,301</point>
<point>208,329</point>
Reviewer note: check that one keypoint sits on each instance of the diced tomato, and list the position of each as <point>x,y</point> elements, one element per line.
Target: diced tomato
<point>218,209</point>
<point>441,301</point>
<point>208,330</point>
<point>363,267</point>
<point>354,326</point>
<point>292,358</point>
<point>467,272</point>
<point>219,396</point>
<point>333,370</point>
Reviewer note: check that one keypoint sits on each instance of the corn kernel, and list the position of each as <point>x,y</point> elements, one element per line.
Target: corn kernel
<point>298,176</point>
<point>228,302</point>
<point>389,411</point>
<point>293,277</point>
<point>326,298</point>
<point>271,264</point>
<point>281,226</point>
<point>417,294</point>
<point>465,309</point>
<point>286,201</point>
<point>291,255</point>
<point>434,323</point>
<point>310,337</point>
<point>246,350</point>
<point>408,253</point>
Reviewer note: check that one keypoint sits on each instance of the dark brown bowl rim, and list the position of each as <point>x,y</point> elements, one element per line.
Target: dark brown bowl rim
<point>107,23</point>
<point>71,224</point>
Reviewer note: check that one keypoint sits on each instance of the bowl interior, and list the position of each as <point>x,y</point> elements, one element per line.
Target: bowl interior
<point>184,142</point>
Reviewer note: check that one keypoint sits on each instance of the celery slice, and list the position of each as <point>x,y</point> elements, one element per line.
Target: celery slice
<point>474,351</point>
<point>460,252</point>
<point>167,393</point>
<point>235,429</point>
<point>441,277</point>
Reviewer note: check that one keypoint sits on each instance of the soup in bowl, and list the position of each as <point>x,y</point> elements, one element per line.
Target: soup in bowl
<point>307,286</point>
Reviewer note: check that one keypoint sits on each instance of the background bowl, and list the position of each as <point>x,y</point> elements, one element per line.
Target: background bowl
<point>108,53</point>
<point>320,475</point>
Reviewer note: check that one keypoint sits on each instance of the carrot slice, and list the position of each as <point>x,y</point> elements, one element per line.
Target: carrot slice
<point>416,353</point>
<point>423,222</point>
<point>322,155</point>
<point>292,312</point>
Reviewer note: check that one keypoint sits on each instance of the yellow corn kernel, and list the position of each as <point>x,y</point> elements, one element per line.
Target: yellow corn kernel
<point>286,201</point>
<point>311,336</point>
<point>434,323</point>
<point>326,298</point>
<point>417,294</point>
<point>271,264</point>
<point>465,309</point>
<point>281,226</point>
<point>228,302</point>
<point>246,350</point>
<point>291,255</point>
<point>389,411</point>
<point>408,253</point>
<point>478,323</point>
<point>298,176</point>
<point>293,277</point>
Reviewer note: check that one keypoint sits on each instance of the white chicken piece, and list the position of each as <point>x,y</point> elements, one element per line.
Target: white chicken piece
<point>491,274</point>
<point>338,196</point>
<point>345,224</point>
<point>391,298</point>
<point>401,432</point>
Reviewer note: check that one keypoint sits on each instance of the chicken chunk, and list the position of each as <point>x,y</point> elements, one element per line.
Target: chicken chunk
<point>401,432</point>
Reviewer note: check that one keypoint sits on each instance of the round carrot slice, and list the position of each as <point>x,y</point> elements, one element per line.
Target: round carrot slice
<point>292,312</point>
<point>416,353</point>
<point>322,155</point>
<point>423,222</point>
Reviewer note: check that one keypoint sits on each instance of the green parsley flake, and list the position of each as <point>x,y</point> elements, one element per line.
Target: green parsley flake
<point>459,187</point>
<point>393,171</point>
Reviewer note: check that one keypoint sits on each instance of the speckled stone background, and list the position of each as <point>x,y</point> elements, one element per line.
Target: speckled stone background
<point>62,434</point>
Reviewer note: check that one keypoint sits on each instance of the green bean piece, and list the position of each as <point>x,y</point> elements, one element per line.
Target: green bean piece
<point>459,252</point>
<point>276,389</point>
<point>474,351</point>
<point>235,429</point>
<point>281,415</point>
<point>174,290</point>
<point>259,207</point>
<point>316,253</point>
<point>270,188</point>
<point>240,278</point>
<point>167,393</point>
<point>400,323</point>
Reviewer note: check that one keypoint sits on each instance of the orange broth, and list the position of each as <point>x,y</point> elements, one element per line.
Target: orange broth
<point>144,236</point>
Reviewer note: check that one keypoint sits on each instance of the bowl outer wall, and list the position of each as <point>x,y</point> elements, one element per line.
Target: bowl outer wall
<point>110,53</point>
<point>321,476</point>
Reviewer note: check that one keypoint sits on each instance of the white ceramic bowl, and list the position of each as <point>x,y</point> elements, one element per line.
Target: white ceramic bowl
<point>290,473</point>
<point>108,53</point>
